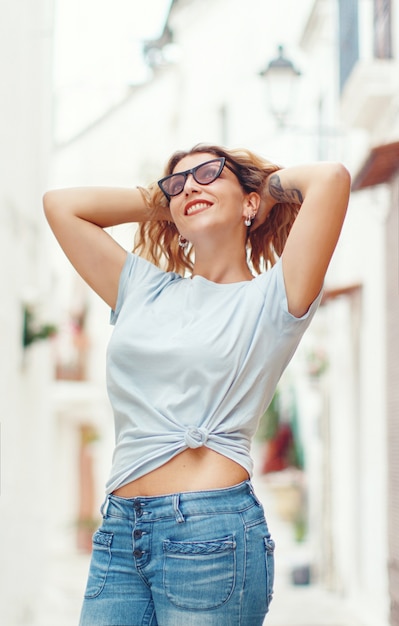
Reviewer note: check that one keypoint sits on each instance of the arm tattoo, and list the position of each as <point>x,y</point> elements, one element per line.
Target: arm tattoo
<point>280,194</point>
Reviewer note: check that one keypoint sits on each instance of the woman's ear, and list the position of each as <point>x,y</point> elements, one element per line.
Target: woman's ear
<point>251,204</point>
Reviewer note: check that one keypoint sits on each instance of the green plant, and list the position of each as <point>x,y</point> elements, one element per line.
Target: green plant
<point>33,331</point>
<point>317,362</point>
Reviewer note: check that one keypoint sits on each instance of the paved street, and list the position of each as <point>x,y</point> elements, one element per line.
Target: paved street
<point>293,605</point>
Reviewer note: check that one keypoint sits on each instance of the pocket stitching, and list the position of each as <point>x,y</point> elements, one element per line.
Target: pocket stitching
<point>269,559</point>
<point>104,545</point>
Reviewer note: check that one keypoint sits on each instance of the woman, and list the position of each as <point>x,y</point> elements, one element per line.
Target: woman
<point>192,363</point>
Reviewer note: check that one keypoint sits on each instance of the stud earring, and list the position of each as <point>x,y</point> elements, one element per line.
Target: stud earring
<point>183,243</point>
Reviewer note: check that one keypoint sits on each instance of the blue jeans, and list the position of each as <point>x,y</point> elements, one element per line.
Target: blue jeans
<point>190,559</point>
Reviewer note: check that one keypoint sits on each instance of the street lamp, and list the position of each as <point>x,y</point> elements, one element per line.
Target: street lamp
<point>281,76</point>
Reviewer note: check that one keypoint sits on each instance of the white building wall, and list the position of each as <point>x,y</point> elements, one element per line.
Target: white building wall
<point>357,419</point>
<point>356,529</point>
<point>25,135</point>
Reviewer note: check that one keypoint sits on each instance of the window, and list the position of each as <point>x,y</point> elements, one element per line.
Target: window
<point>348,39</point>
<point>382,29</point>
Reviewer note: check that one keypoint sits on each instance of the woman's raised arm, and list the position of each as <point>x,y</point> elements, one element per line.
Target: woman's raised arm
<point>78,217</point>
<point>322,190</point>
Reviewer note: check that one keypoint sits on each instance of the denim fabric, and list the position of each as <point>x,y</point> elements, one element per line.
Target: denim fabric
<point>190,559</point>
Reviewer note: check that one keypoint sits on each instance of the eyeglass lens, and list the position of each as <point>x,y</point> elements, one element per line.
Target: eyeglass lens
<point>203,174</point>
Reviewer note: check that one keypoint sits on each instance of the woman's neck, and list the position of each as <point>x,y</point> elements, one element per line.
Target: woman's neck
<point>221,268</point>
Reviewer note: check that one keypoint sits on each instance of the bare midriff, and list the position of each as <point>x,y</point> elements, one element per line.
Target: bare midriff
<point>194,469</point>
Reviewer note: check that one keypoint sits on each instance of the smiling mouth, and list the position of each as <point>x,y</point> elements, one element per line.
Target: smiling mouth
<point>197,208</point>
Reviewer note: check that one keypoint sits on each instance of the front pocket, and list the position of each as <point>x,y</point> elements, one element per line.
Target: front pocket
<point>100,562</point>
<point>199,575</point>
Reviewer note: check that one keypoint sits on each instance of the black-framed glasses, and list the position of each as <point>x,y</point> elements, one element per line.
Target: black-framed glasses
<point>203,174</point>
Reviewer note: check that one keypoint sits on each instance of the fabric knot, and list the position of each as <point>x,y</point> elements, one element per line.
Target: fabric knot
<point>195,437</point>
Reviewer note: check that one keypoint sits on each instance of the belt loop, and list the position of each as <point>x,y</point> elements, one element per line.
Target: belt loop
<point>104,506</point>
<point>178,514</point>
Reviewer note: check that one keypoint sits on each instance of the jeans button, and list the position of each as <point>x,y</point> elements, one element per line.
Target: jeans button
<point>137,508</point>
<point>138,534</point>
<point>138,553</point>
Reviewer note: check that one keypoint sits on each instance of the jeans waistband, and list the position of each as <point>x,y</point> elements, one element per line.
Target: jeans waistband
<point>178,505</point>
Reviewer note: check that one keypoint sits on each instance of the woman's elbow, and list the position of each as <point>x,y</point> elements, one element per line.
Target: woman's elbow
<point>57,203</point>
<point>340,177</point>
<point>50,202</point>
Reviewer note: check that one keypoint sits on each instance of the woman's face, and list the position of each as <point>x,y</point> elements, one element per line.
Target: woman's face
<point>217,207</point>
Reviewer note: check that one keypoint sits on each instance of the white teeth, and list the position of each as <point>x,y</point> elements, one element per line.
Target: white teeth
<point>197,207</point>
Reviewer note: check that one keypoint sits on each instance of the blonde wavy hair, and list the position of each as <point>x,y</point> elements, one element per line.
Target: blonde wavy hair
<point>158,240</point>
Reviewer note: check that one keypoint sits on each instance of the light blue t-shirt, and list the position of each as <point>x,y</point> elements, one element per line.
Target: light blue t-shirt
<point>192,362</point>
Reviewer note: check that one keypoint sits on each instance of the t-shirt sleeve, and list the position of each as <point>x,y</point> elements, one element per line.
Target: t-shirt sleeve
<point>276,302</point>
<point>139,276</point>
<point>284,302</point>
<point>126,273</point>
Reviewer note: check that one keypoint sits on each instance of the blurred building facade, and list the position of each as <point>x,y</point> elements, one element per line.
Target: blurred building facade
<point>360,397</point>
<point>27,309</point>
<point>204,86</point>
<point>369,105</point>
